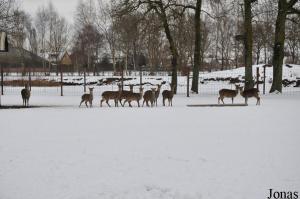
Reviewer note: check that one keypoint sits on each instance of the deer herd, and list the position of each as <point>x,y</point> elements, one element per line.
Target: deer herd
<point>247,93</point>
<point>150,97</point>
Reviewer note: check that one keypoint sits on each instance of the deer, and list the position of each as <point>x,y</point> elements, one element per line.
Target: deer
<point>248,93</point>
<point>131,96</point>
<point>87,98</point>
<point>111,95</point>
<point>150,96</point>
<point>168,94</point>
<point>228,93</point>
<point>25,92</point>
<point>123,93</point>
<point>157,92</point>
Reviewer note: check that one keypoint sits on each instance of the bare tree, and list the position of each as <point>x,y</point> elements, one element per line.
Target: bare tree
<point>41,21</point>
<point>58,34</point>
<point>18,35</point>
<point>248,43</point>
<point>7,14</point>
<point>105,24</point>
<point>293,39</point>
<point>285,8</point>
<point>163,11</point>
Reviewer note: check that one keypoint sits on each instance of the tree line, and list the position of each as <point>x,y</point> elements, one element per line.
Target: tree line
<point>168,35</point>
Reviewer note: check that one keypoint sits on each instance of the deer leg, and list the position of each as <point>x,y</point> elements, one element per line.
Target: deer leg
<point>147,103</point>
<point>222,99</point>
<point>86,104</point>
<point>107,102</point>
<point>120,100</point>
<point>129,102</point>
<point>124,103</point>
<point>81,102</point>
<point>91,104</point>
<point>172,102</point>
<point>232,100</point>
<point>138,102</point>
<point>258,101</point>
<point>116,103</point>
<point>101,101</point>
<point>163,101</point>
<point>143,103</point>
<point>28,102</point>
<point>246,100</point>
<point>219,100</point>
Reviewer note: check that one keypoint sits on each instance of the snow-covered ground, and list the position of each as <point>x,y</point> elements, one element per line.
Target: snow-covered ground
<point>66,152</point>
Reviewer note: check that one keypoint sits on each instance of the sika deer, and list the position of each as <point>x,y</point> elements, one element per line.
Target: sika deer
<point>88,97</point>
<point>123,94</point>
<point>25,95</point>
<point>157,92</point>
<point>227,93</point>
<point>168,94</point>
<point>111,95</point>
<point>149,96</point>
<point>252,92</point>
<point>129,97</point>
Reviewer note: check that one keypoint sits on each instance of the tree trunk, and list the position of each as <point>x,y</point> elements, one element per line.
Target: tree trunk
<point>248,41</point>
<point>173,49</point>
<point>113,54</point>
<point>197,52</point>
<point>134,56</point>
<point>278,48</point>
<point>257,56</point>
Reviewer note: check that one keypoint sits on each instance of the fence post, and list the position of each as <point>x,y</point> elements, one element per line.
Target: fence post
<point>2,92</point>
<point>264,88</point>
<point>122,77</point>
<point>188,83</point>
<point>141,76</point>
<point>257,78</point>
<point>84,79</point>
<point>61,81</point>
<point>29,77</point>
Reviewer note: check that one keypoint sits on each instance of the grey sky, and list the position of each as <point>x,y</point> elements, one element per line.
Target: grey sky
<point>65,8</point>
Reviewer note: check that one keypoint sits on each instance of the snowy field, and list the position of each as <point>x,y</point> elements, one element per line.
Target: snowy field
<point>66,152</point>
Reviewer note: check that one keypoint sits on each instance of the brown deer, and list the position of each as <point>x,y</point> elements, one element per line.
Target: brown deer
<point>228,93</point>
<point>129,97</point>
<point>25,95</point>
<point>124,93</point>
<point>251,92</point>
<point>111,95</point>
<point>157,92</point>
<point>168,94</point>
<point>87,98</point>
<point>149,96</point>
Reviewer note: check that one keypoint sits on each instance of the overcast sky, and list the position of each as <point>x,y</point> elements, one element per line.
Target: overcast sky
<point>65,8</point>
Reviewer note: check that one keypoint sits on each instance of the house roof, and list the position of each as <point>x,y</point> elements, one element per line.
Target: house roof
<point>66,59</point>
